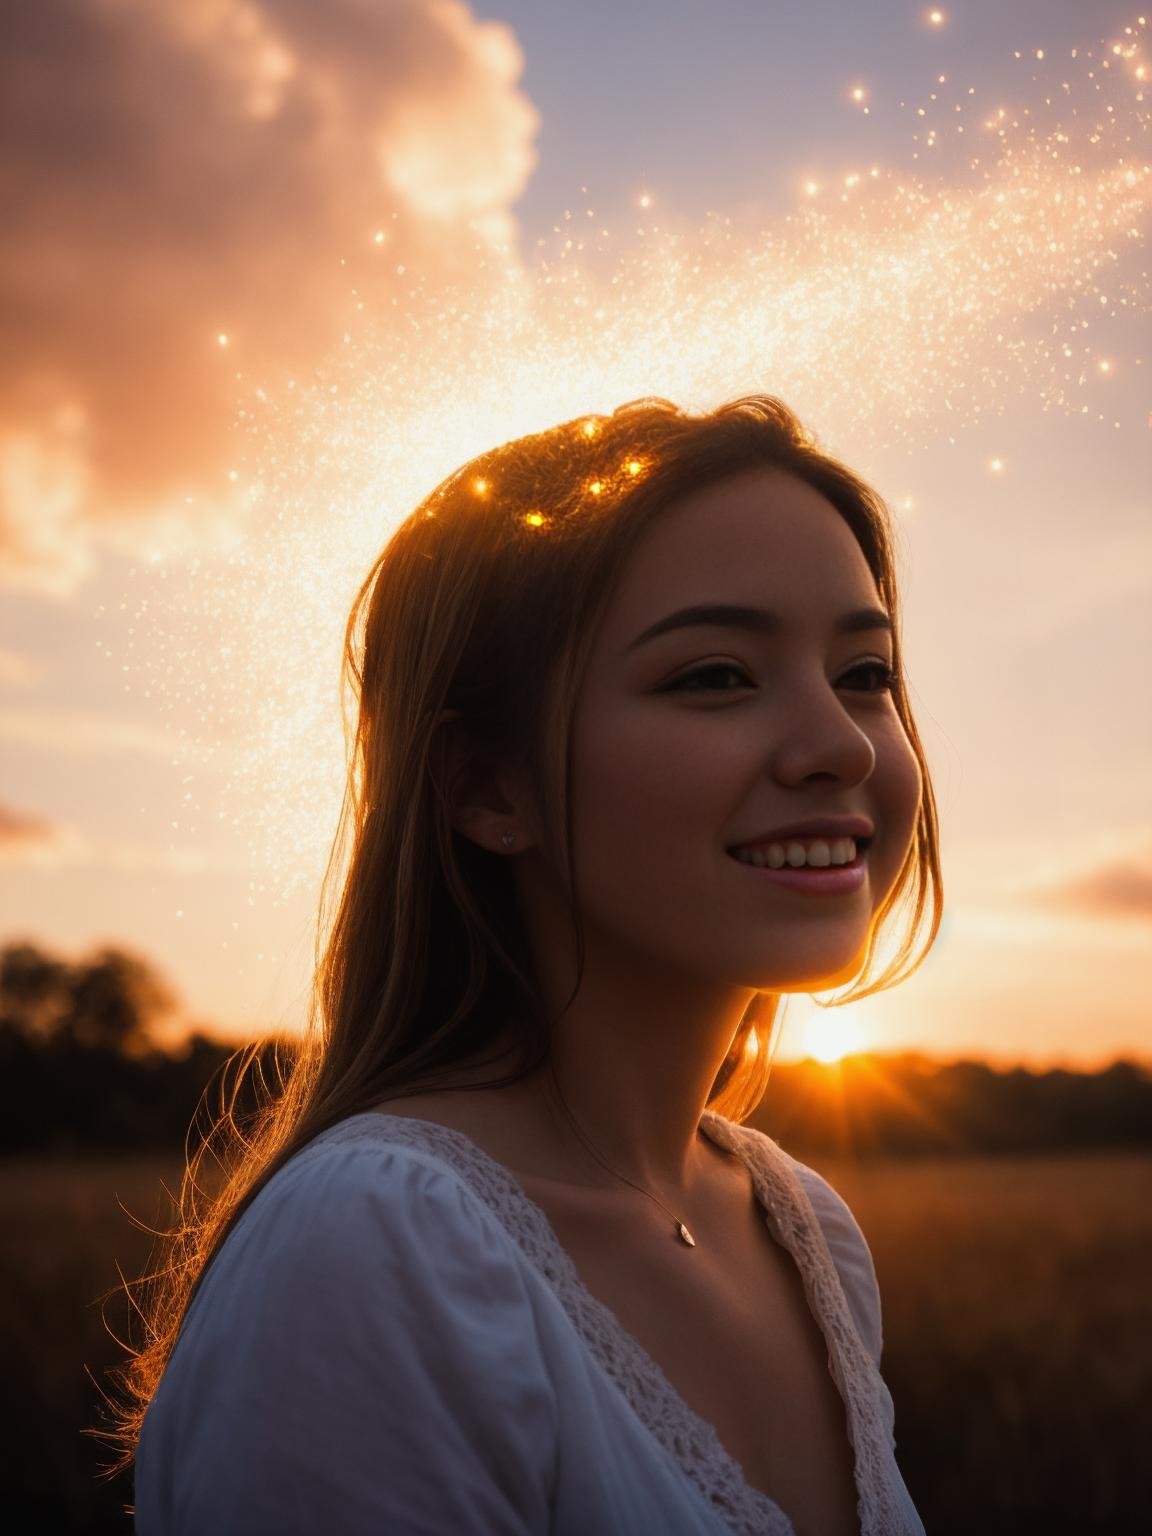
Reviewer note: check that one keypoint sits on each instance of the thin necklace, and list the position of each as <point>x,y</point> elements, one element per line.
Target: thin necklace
<point>681,1230</point>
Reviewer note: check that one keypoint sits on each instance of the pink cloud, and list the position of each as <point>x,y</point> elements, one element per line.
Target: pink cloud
<point>178,171</point>
<point>22,833</point>
<point>1116,888</point>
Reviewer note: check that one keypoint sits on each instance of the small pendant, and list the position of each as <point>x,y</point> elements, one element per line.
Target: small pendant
<point>686,1236</point>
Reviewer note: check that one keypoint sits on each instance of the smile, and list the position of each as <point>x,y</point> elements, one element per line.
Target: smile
<point>795,872</point>
<point>801,853</point>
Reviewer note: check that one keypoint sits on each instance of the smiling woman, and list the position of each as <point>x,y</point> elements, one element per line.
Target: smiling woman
<point>633,759</point>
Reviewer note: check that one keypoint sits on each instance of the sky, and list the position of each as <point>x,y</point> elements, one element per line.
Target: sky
<point>272,269</point>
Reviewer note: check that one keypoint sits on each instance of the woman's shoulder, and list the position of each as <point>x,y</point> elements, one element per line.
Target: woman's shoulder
<point>385,1223</point>
<point>363,1338</point>
<point>360,1183</point>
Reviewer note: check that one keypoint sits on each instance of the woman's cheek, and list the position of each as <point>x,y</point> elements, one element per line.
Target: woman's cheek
<point>899,807</point>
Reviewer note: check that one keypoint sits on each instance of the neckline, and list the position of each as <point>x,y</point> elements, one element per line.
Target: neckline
<point>690,1440</point>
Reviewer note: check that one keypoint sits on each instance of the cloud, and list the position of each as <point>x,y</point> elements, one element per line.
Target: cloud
<point>34,842</point>
<point>77,732</point>
<point>24,835</point>
<point>1116,888</point>
<point>196,192</point>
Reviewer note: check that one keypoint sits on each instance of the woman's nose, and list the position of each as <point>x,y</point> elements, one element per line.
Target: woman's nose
<point>818,735</point>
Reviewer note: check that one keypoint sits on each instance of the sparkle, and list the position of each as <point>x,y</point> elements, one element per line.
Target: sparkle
<point>996,466</point>
<point>222,339</point>
<point>535,519</point>
<point>596,487</point>
<point>480,487</point>
<point>935,18</point>
<point>590,428</point>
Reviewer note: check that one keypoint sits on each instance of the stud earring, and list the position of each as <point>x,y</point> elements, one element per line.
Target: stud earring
<point>507,838</point>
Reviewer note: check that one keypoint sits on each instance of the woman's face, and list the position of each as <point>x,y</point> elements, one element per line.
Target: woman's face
<point>707,736</point>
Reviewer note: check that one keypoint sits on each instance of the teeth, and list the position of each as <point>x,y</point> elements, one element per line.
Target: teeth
<point>816,854</point>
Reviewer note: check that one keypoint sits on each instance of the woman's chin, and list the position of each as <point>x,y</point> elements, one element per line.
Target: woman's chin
<point>814,977</point>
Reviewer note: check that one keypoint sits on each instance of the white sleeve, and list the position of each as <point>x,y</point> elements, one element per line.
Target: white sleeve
<point>361,1358</point>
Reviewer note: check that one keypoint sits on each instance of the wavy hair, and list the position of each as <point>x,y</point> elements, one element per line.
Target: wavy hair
<point>484,603</point>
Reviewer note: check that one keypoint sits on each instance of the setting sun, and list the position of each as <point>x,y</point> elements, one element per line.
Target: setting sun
<point>828,1038</point>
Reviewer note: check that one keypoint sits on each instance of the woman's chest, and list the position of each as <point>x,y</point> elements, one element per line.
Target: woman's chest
<point>730,1327</point>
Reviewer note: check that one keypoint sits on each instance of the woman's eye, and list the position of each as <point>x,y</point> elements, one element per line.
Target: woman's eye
<point>885,674</point>
<point>697,680</point>
<point>678,684</point>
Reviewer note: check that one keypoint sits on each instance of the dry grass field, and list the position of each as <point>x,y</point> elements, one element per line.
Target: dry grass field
<point>1018,1334</point>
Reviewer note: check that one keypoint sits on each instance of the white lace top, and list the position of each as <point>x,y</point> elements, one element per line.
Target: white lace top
<point>392,1342</point>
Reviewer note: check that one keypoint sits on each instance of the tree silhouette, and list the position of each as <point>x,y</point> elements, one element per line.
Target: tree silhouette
<point>115,999</point>
<point>34,989</point>
<point>109,1001</point>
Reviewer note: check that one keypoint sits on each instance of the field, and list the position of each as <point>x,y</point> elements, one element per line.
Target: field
<point>1018,1334</point>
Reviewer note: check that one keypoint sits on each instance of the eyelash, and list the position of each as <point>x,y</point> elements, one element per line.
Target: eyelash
<point>888,676</point>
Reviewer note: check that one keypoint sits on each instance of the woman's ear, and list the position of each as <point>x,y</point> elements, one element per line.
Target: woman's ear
<point>480,796</point>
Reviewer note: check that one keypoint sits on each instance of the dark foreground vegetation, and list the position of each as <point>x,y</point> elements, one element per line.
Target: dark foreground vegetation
<point>1017,1326</point>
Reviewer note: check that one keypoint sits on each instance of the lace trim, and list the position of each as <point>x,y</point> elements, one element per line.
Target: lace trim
<point>689,1439</point>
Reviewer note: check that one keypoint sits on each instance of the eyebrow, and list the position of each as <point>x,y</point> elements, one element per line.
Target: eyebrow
<point>760,620</point>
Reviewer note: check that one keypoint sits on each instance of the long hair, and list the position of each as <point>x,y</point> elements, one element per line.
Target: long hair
<point>486,601</point>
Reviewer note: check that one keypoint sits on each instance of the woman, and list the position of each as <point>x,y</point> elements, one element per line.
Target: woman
<point>499,1256</point>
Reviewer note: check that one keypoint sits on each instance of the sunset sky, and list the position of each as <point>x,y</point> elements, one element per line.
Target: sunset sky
<point>270,270</point>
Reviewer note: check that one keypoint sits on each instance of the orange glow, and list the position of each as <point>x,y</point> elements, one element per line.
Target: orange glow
<point>829,1038</point>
